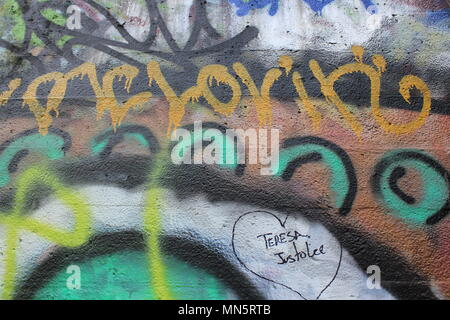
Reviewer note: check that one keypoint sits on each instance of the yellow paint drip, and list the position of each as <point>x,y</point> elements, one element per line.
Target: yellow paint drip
<point>152,225</point>
<point>374,74</point>
<point>216,73</point>
<point>12,86</point>
<point>17,220</point>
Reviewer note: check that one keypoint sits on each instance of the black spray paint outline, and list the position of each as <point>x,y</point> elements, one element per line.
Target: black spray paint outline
<point>43,28</point>
<point>237,141</point>
<point>116,136</point>
<point>415,155</point>
<point>270,280</point>
<point>396,175</point>
<point>401,279</point>
<point>107,243</point>
<point>23,152</point>
<point>314,156</point>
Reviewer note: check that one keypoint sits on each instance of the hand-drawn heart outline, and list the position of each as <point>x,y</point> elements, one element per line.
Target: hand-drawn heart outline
<point>283,224</point>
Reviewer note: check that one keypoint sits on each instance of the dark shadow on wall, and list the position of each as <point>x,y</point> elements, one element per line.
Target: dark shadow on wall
<point>194,253</point>
<point>398,277</point>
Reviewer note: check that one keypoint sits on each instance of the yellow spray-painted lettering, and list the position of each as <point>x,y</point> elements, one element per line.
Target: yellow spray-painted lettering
<point>260,99</point>
<point>218,74</point>
<point>12,86</point>
<point>374,74</point>
<point>106,98</point>
<point>54,99</point>
<point>18,220</point>
<point>176,103</point>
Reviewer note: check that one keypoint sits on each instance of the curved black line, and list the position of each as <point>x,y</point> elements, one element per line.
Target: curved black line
<point>202,256</point>
<point>153,32</point>
<point>414,155</point>
<point>118,136</point>
<point>209,260</point>
<point>201,22</point>
<point>21,52</point>
<point>111,19</point>
<point>235,43</point>
<point>13,164</point>
<point>240,168</point>
<point>396,175</point>
<point>270,280</point>
<point>45,29</point>
<point>298,162</point>
<point>66,137</point>
<point>22,153</point>
<point>335,275</point>
<point>345,158</point>
<point>244,265</point>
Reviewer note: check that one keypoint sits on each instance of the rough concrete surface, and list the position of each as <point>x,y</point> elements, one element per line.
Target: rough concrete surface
<point>98,200</point>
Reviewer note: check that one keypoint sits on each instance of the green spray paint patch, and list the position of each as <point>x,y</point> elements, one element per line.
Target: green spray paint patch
<point>11,14</point>
<point>225,144</point>
<point>12,19</point>
<point>54,16</point>
<point>339,183</point>
<point>125,276</point>
<point>434,185</point>
<point>50,145</point>
<point>62,41</point>
<point>98,146</point>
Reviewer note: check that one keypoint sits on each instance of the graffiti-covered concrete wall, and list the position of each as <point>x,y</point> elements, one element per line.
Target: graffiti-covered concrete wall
<point>224,149</point>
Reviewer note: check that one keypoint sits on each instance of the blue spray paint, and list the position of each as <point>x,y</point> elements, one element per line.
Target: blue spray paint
<point>245,6</point>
